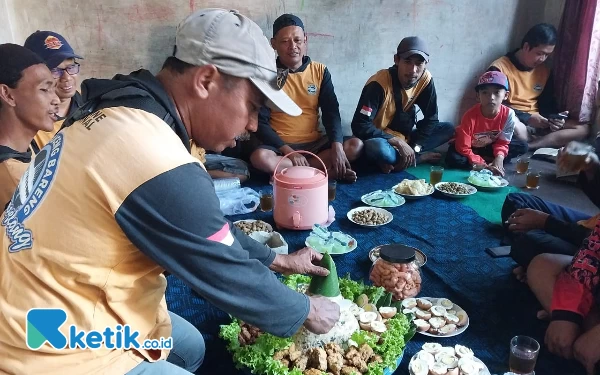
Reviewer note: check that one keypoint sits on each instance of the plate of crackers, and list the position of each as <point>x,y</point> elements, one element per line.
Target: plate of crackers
<point>413,189</point>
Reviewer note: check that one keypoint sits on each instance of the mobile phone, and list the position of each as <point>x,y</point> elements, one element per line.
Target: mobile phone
<point>558,116</point>
<point>498,252</point>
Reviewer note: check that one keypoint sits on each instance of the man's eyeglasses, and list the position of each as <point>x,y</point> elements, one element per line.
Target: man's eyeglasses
<point>71,70</point>
<point>282,75</point>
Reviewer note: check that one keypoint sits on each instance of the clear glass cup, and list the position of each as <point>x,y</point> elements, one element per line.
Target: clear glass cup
<point>524,351</point>
<point>522,165</point>
<point>533,180</point>
<point>435,174</point>
<point>266,200</point>
<point>331,190</point>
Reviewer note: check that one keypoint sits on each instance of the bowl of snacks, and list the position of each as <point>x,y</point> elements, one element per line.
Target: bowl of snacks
<point>485,180</point>
<point>413,189</point>
<point>455,189</point>
<point>435,359</point>
<point>370,216</point>
<point>250,226</point>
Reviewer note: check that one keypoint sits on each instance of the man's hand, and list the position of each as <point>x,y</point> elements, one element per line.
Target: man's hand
<point>497,166</point>
<point>300,262</point>
<point>526,219</point>
<point>587,349</point>
<point>560,337</point>
<point>339,161</point>
<point>556,124</point>
<point>322,316</point>
<point>297,159</point>
<point>407,154</point>
<point>538,121</point>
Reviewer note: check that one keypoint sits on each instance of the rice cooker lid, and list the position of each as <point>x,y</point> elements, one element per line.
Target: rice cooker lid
<point>301,175</point>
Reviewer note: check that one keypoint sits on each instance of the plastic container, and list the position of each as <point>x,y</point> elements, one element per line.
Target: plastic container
<point>397,271</point>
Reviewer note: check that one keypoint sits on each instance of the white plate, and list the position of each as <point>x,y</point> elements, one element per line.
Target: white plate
<point>456,308</point>
<point>483,371</point>
<point>252,221</point>
<point>504,183</point>
<point>408,196</point>
<point>364,200</point>
<point>386,213</point>
<point>472,190</point>
<point>352,248</point>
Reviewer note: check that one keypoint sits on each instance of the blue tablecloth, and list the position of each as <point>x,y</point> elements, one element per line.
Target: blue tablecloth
<point>454,238</point>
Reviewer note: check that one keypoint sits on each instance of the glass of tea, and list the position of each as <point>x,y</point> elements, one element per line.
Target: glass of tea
<point>266,200</point>
<point>523,355</point>
<point>331,190</point>
<point>435,174</point>
<point>533,180</point>
<point>522,165</point>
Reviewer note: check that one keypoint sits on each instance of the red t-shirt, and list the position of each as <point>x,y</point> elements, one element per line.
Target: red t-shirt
<point>477,131</point>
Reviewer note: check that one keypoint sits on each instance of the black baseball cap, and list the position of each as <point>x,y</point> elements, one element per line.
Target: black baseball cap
<point>286,20</point>
<point>50,46</point>
<point>412,45</point>
<point>14,59</point>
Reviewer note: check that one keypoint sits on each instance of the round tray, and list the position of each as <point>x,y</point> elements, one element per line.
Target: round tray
<point>456,308</point>
<point>483,371</point>
<point>364,200</point>
<point>411,197</point>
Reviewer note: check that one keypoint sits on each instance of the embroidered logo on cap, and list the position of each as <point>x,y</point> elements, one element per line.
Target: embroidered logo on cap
<point>52,42</point>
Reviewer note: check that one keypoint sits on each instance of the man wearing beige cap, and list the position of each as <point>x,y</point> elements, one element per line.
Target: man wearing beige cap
<point>116,200</point>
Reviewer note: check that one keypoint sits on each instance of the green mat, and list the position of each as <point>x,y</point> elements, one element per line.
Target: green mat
<point>487,204</point>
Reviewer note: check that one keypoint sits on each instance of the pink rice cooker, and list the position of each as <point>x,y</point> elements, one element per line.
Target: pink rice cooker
<point>300,195</point>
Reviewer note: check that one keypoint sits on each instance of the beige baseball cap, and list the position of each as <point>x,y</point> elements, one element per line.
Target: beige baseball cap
<point>235,45</point>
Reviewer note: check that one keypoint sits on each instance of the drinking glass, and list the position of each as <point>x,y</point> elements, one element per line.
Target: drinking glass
<point>524,351</point>
<point>435,175</point>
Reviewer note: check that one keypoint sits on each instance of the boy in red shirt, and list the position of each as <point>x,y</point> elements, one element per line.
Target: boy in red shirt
<point>486,130</point>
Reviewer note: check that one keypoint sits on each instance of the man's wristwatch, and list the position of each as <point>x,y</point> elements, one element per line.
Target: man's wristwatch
<point>417,148</point>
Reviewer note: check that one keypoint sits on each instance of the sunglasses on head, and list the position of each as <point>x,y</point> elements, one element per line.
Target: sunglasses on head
<point>71,70</point>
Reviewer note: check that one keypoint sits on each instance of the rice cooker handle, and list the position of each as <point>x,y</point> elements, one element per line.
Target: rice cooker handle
<point>296,218</point>
<point>299,152</point>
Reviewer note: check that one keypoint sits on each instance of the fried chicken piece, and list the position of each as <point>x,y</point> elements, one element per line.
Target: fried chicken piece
<point>333,347</point>
<point>285,362</point>
<point>352,352</point>
<point>280,355</point>
<point>294,355</point>
<point>376,358</point>
<point>313,371</point>
<point>347,370</point>
<point>366,352</point>
<point>358,363</point>
<point>317,358</point>
<point>335,362</point>
<point>300,363</point>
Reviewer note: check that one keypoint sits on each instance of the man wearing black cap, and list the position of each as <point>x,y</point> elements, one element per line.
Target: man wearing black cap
<point>309,84</point>
<point>60,58</point>
<point>386,114</point>
<point>28,104</point>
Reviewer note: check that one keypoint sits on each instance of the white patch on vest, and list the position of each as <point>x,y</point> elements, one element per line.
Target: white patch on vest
<point>32,188</point>
<point>311,89</point>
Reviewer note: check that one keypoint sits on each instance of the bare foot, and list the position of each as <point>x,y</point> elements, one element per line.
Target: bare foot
<point>520,274</point>
<point>430,157</point>
<point>386,168</point>
<point>350,176</point>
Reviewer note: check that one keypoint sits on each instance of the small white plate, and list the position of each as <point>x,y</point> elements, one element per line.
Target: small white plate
<point>471,190</point>
<point>409,196</point>
<point>456,308</point>
<point>504,183</point>
<point>351,248</point>
<point>386,213</point>
<point>374,204</point>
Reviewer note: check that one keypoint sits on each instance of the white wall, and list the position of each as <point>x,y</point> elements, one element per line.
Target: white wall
<point>354,38</point>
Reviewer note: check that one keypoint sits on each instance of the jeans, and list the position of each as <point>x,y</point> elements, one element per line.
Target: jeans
<point>216,162</point>
<point>456,160</point>
<point>526,246</point>
<point>185,357</point>
<point>378,150</point>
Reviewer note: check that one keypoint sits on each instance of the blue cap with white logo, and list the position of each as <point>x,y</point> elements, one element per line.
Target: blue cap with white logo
<point>50,46</point>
